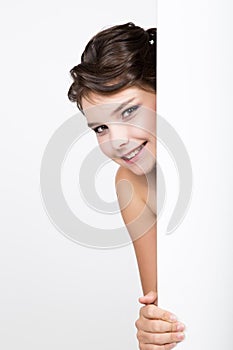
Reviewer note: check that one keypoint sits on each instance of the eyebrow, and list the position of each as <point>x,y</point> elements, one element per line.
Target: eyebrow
<point>124,104</point>
<point>118,109</point>
<point>92,124</point>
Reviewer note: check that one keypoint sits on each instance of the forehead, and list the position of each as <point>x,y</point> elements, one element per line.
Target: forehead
<point>111,101</point>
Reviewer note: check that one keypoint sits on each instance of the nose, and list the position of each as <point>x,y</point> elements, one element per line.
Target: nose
<point>118,135</point>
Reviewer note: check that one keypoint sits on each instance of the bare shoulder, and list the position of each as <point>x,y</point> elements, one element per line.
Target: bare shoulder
<point>131,190</point>
<point>130,186</point>
<point>135,189</point>
<point>125,174</point>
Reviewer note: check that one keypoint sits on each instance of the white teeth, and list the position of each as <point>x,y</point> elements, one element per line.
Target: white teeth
<point>133,154</point>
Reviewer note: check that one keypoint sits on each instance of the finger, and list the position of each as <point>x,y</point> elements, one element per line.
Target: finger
<point>151,293</point>
<point>158,326</point>
<point>149,298</point>
<point>159,338</point>
<point>157,347</point>
<point>154,312</point>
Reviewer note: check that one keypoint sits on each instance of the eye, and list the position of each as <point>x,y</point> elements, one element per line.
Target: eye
<point>100,129</point>
<point>129,112</point>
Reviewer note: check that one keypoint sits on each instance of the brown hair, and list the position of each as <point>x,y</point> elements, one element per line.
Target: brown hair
<point>114,59</point>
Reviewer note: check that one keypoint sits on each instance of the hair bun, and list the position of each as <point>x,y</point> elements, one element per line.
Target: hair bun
<point>152,35</point>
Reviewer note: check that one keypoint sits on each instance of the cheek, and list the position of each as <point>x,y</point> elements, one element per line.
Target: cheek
<point>151,119</point>
<point>150,127</point>
<point>146,130</point>
<point>146,123</point>
<point>105,148</point>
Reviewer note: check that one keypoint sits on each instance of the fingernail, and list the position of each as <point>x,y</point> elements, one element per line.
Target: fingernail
<point>180,335</point>
<point>180,327</point>
<point>173,345</point>
<point>173,317</point>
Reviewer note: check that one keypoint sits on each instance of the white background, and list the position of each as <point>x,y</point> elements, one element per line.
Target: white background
<point>56,294</point>
<point>195,74</point>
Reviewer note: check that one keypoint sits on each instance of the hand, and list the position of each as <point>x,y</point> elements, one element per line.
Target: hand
<point>158,329</point>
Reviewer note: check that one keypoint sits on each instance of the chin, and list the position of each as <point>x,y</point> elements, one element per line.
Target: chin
<point>144,168</point>
<point>141,170</point>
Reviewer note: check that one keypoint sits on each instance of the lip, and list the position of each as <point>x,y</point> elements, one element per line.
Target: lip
<point>126,154</point>
<point>132,160</point>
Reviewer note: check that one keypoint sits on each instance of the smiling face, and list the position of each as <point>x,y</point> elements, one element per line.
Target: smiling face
<point>125,126</point>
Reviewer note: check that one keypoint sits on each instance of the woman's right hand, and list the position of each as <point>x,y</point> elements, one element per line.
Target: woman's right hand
<point>157,329</point>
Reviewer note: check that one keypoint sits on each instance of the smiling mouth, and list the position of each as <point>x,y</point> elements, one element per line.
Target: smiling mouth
<point>133,153</point>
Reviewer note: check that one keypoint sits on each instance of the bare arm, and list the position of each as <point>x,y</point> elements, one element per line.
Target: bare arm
<point>155,328</point>
<point>141,225</point>
<point>146,253</point>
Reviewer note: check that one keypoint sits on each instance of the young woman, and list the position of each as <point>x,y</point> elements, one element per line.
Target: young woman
<point>115,88</point>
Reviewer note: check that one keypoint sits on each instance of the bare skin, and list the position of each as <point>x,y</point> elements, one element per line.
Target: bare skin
<point>121,132</point>
<point>140,221</point>
<point>157,329</point>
